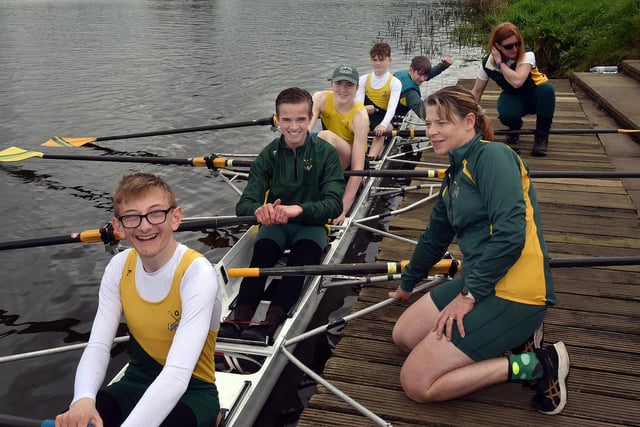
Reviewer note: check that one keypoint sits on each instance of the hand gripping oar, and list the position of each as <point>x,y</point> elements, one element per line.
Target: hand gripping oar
<point>414,133</point>
<point>58,141</point>
<point>107,235</point>
<point>16,154</point>
<point>445,266</point>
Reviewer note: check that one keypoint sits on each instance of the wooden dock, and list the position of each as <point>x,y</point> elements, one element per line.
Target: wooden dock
<point>597,315</point>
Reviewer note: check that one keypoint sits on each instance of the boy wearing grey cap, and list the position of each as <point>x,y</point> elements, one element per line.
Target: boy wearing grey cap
<point>345,125</point>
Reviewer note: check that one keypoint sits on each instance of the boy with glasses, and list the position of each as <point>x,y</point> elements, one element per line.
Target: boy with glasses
<point>171,302</point>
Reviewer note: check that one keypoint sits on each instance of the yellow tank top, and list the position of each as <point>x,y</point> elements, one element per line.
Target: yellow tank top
<point>340,124</point>
<point>154,324</point>
<point>379,97</point>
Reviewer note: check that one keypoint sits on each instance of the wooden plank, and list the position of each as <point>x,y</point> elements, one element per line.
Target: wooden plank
<point>392,405</point>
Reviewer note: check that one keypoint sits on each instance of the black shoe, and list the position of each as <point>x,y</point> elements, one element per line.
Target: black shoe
<point>551,397</point>
<point>540,148</point>
<point>229,329</point>
<point>513,138</point>
<point>259,333</point>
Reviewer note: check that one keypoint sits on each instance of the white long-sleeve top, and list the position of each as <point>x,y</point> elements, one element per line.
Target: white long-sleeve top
<point>201,311</point>
<point>377,82</point>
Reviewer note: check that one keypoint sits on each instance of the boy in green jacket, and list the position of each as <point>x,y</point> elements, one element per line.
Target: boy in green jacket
<point>295,188</point>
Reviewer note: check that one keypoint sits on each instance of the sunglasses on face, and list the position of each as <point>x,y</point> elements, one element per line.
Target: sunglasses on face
<point>511,45</point>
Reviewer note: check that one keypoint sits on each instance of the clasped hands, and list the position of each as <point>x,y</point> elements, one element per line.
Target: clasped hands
<point>276,213</point>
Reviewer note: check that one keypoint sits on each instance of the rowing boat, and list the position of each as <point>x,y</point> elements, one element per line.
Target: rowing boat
<point>246,372</point>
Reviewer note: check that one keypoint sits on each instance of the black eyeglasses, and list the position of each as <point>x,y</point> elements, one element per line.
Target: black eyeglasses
<point>154,218</point>
<point>511,45</point>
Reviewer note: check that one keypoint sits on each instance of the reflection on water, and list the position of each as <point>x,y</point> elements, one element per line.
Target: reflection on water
<point>89,68</point>
<point>59,325</point>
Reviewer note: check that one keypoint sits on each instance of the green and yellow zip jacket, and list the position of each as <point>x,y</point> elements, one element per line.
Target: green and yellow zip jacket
<point>310,177</point>
<point>488,203</point>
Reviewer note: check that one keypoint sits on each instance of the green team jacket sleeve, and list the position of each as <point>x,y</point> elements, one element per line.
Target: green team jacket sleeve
<point>415,102</point>
<point>437,69</point>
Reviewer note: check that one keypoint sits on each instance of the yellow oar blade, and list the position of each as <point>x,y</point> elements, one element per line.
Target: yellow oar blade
<point>58,141</point>
<point>15,154</point>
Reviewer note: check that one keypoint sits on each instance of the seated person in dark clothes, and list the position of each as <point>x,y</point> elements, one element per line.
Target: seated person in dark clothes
<point>300,177</point>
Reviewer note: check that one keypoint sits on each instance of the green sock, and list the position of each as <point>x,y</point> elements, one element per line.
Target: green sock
<point>524,367</point>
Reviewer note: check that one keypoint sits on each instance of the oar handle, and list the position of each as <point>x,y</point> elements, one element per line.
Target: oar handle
<point>422,173</point>
<point>203,224</point>
<point>445,266</point>
<point>52,423</point>
<point>406,133</point>
<point>86,236</point>
<point>107,235</point>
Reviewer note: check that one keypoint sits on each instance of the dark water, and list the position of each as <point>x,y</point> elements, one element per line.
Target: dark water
<point>108,67</point>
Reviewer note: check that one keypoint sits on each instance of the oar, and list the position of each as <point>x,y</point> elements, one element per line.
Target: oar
<point>445,266</point>
<point>413,133</point>
<point>441,173</point>
<point>398,173</point>
<point>594,261</point>
<point>564,131</point>
<point>108,235</point>
<point>58,141</point>
<point>7,420</point>
<point>16,154</point>
<point>54,350</point>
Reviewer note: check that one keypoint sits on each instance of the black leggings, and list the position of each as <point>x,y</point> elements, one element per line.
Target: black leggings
<point>286,292</point>
<point>109,410</point>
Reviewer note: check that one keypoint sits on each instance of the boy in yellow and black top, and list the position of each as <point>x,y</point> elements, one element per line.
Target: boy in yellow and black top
<point>525,90</point>
<point>380,92</point>
<point>295,187</point>
<point>345,125</point>
<point>171,302</point>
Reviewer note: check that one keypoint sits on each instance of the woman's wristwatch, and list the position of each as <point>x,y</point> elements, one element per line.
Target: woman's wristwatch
<point>464,290</point>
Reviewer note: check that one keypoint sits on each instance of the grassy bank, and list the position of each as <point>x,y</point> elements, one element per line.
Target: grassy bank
<point>565,35</point>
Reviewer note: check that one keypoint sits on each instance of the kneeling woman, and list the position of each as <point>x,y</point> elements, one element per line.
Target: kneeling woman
<point>488,203</point>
